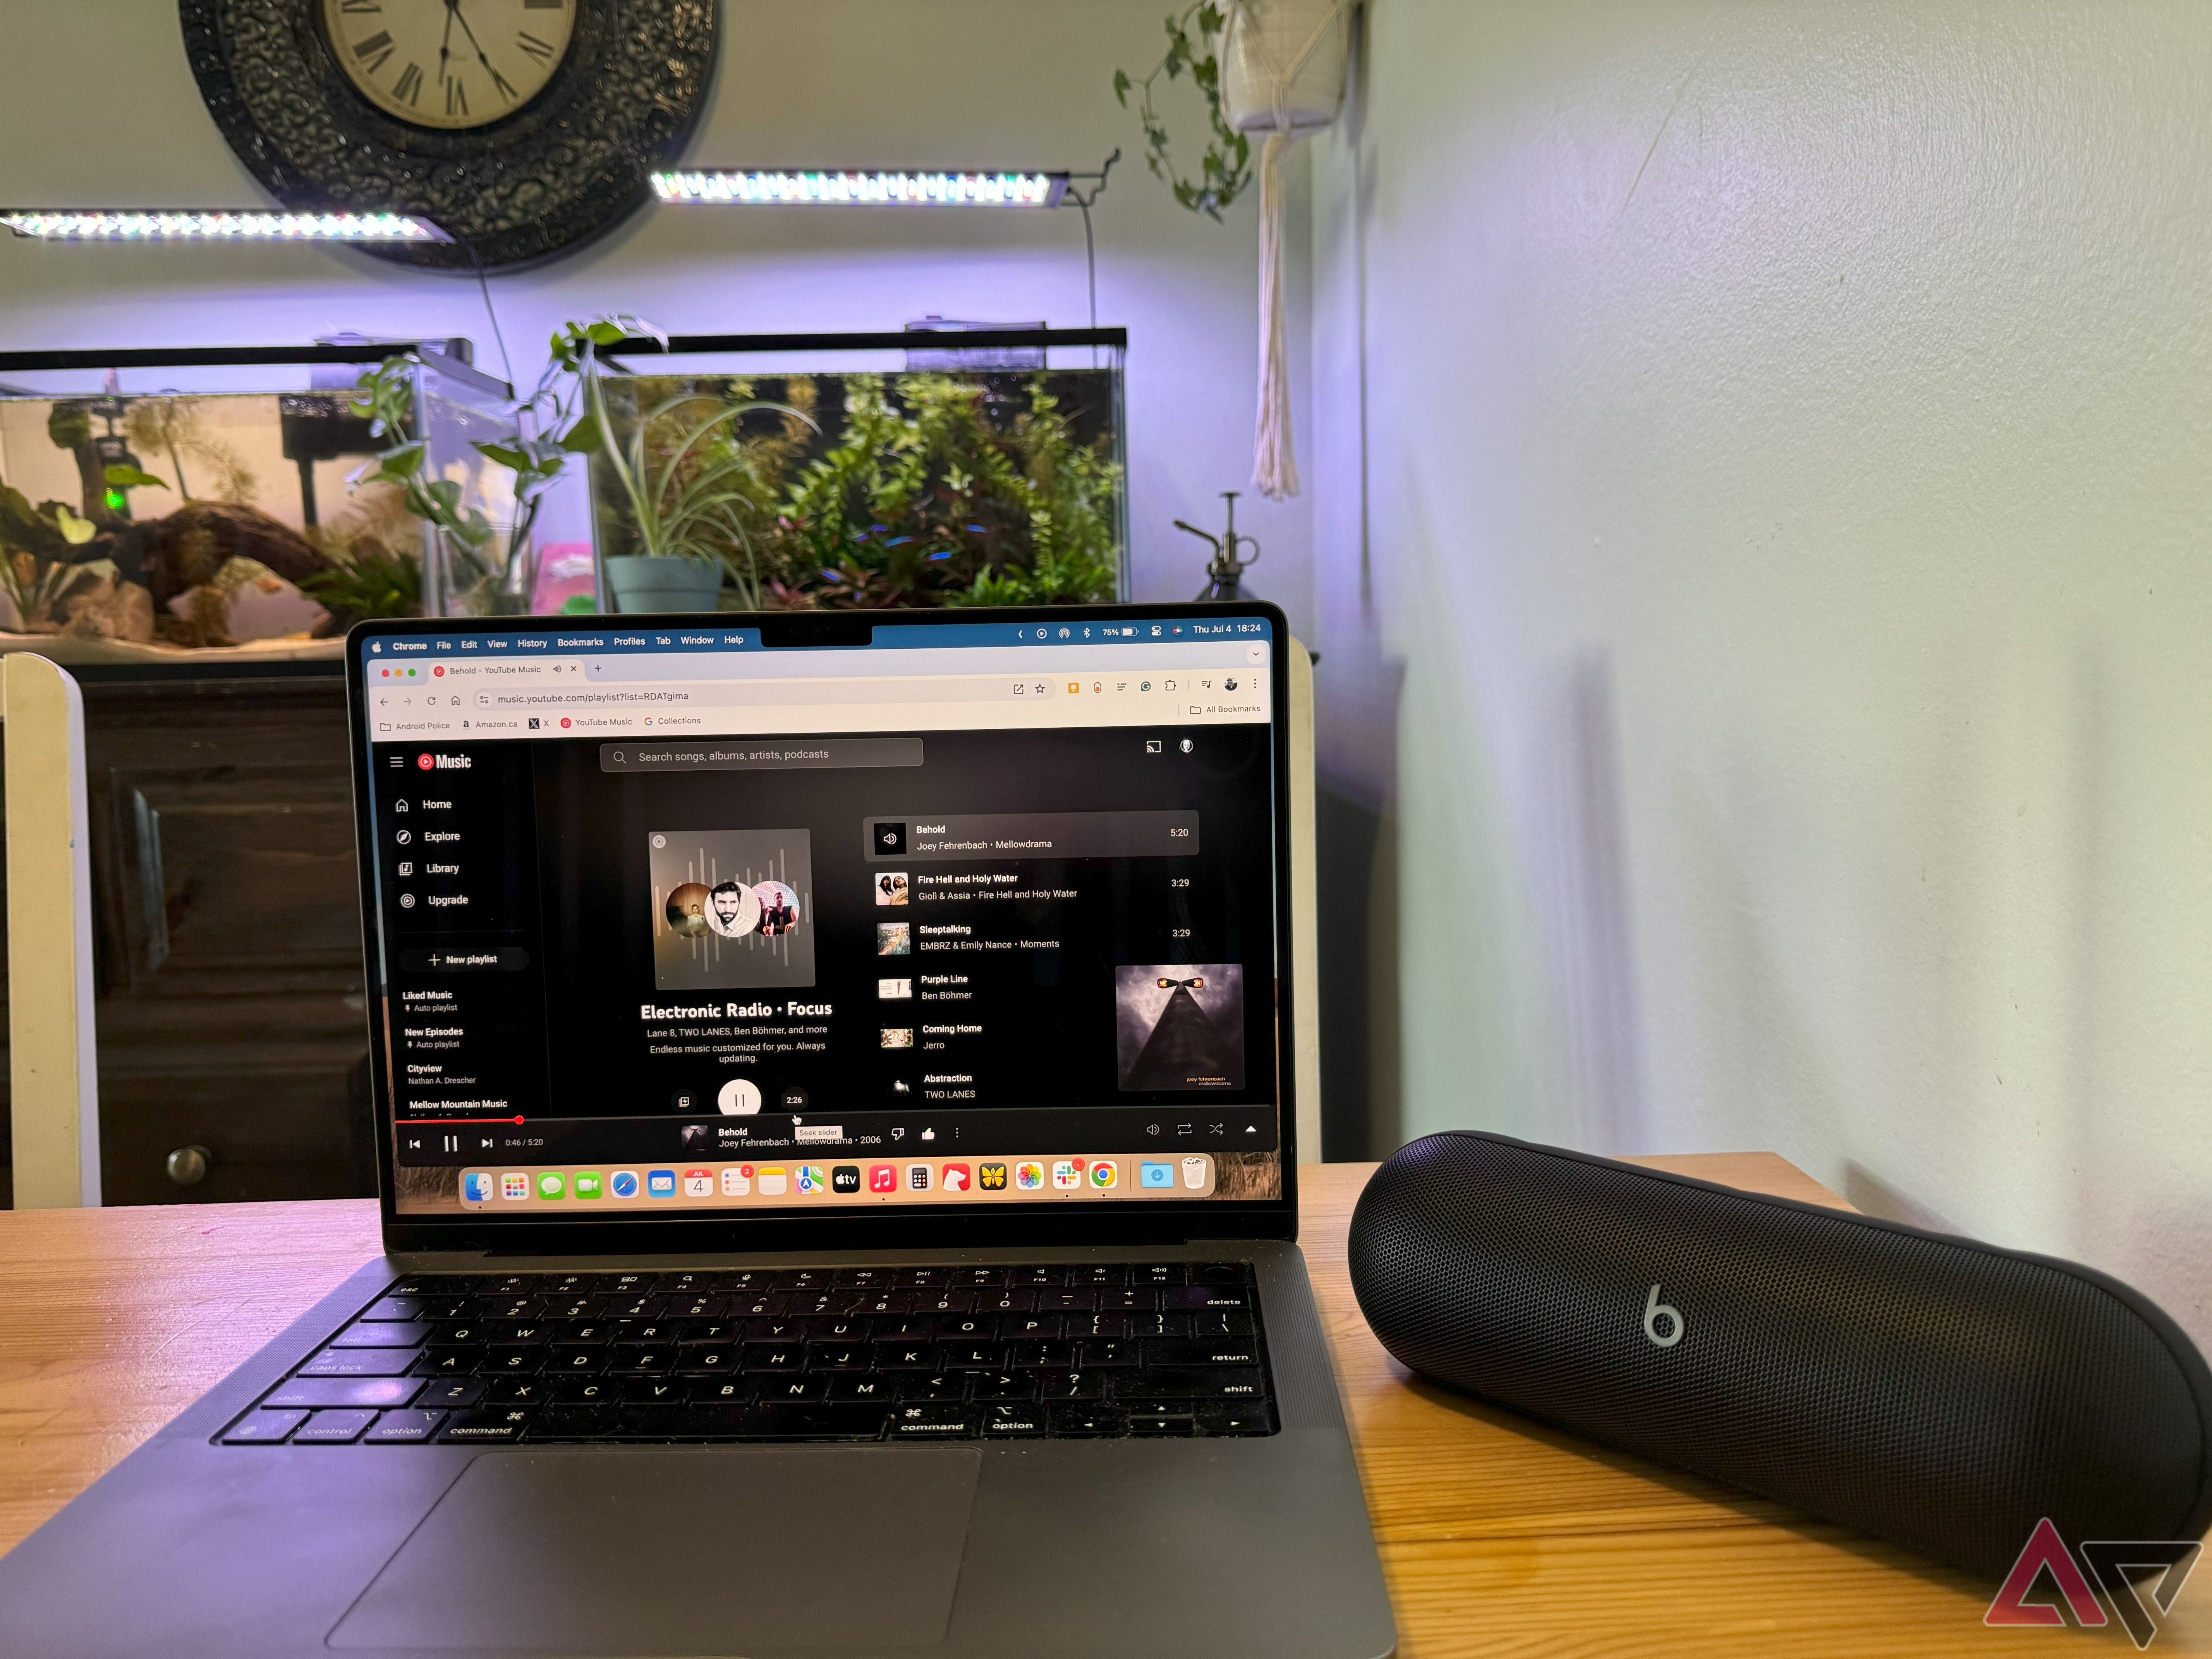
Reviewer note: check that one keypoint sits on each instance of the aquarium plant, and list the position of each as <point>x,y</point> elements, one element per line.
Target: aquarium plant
<point>916,489</point>
<point>37,545</point>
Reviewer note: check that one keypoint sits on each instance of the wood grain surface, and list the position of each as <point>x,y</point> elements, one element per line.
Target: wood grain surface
<point>1499,1537</point>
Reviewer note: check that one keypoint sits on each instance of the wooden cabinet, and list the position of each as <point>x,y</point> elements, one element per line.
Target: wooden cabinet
<point>226,920</point>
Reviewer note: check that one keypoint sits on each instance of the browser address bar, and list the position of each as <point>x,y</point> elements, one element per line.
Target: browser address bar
<point>776,694</point>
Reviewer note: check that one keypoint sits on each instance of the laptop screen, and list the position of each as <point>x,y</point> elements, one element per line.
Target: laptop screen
<point>666,920</point>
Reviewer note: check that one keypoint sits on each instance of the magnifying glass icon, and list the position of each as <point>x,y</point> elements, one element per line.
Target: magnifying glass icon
<point>618,757</point>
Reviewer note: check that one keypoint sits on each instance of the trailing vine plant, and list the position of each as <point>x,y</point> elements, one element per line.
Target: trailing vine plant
<point>1225,169</point>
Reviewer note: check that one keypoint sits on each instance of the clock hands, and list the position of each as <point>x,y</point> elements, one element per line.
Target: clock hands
<point>445,41</point>
<point>453,15</point>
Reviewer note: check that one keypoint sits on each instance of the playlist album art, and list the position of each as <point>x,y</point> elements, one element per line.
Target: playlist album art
<point>732,908</point>
<point>1180,1025</point>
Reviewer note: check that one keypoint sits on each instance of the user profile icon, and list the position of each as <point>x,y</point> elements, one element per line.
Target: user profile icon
<point>733,909</point>
<point>688,905</point>
<point>739,1097</point>
<point>891,887</point>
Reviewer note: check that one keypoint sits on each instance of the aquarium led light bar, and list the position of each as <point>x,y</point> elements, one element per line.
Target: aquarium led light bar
<point>746,187</point>
<point>216,225</point>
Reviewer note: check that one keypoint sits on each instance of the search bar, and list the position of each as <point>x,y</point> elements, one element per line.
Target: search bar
<point>808,754</point>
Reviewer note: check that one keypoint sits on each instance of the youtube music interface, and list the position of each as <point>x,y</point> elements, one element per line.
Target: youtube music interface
<point>977,913</point>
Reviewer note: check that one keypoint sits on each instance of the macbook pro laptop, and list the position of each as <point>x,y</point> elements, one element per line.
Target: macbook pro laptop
<point>835,1123</point>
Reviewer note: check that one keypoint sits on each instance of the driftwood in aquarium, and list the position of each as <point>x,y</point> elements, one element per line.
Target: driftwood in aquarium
<point>188,547</point>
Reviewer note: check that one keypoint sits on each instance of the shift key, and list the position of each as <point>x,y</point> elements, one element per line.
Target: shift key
<point>1223,1383</point>
<point>317,1392</point>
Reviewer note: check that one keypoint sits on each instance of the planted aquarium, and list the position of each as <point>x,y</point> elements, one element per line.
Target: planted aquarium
<point>218,497</point>
<point>859,472</point>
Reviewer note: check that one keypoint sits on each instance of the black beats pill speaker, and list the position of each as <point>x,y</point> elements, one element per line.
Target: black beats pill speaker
<point>1939,1393</point>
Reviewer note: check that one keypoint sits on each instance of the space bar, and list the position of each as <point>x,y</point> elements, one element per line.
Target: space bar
<point>796,1421</point>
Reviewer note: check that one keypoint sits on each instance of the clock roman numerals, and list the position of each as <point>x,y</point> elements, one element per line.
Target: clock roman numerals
<point>475,52</point>
<point>376,51</point>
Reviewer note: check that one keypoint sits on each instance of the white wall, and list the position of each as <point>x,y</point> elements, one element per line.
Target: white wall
<point>97,106</point>
<point>1781,651</point>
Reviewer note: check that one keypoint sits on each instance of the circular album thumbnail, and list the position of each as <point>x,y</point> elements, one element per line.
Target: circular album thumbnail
<point>779,907</point>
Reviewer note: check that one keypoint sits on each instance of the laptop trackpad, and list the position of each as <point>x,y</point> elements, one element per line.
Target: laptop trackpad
<point>680,1551</point>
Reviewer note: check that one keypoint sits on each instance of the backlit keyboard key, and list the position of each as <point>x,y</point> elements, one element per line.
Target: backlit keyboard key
<point>337,1428</point>
<point>489,1425</point>
<point>346,1391</point>
<point>920,1420</point>
<point>404,1428</point>
<point>450,1394</point>
<point>261,1428</point>
<point>360,1362</point>
<point>386,1335</point>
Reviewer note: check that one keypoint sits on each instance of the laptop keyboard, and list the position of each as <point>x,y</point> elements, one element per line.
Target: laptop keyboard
<point>785,1354</point>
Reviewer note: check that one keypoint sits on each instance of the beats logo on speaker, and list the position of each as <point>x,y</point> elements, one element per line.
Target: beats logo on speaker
<point>1663,1325</point>
<point>1928,1389</point>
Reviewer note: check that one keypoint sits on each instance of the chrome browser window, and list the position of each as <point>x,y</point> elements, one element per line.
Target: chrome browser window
<point>977,913</point>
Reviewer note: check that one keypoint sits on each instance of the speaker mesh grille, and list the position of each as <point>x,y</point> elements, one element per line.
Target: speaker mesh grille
<point>1926,1389</point>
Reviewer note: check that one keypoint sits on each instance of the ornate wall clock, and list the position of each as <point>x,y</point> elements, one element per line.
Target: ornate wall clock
<point>523,127</point>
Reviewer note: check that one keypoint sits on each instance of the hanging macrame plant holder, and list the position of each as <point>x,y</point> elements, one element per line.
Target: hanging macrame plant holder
<point>1282,73</point>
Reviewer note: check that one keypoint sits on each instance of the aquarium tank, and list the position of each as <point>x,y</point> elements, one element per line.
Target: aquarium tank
<point>209,497</point>
<point>861,471</point>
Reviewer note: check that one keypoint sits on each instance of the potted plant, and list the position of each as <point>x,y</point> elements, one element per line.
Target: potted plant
<point>690,485</point>
<point>489,571</point>
<point>1278,70</point>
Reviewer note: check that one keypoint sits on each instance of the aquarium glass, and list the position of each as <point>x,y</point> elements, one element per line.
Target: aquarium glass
<point>134,510</point>
<point>974,480</point>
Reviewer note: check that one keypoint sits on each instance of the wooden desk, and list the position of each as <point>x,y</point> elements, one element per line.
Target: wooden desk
<point>1498,1537</point>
